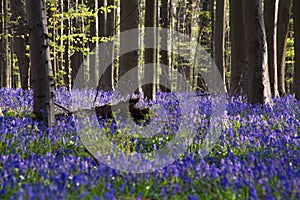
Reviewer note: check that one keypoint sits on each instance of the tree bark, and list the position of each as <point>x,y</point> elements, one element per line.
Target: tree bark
<point>20,40</point>
<point>92,45</point>
<point>110,25</point>
<point>165,81</point>
<point>2,46</point>
<point>271,20</point>
<point>296,13</point>
<point>130,20</point>
<point>259,84</point>
<point>77,57</point>
<point>239,73</point>
<point>67,66</point>
<point>220,38</point>
<point>5,68</point>
<point>150,53</point>
<point>101,19</point>
<point>282,32</point>
<point>212,19</point>
<point>40,61</point>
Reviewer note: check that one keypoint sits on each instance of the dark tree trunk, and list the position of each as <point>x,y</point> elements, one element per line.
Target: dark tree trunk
<point>40,61</point>
<point>271,19</point>
<point>239,71</point>
<point>2,46</point>
<point>77,57</point>
<point>220,38</point>
<point>165,81</point>
<point>212,19</point>
<point>67,66</point>
<point>282,32</point>
<point>110,25</point>
<point>5,70</point>
<point>296,13</point>
<point>150,53</point>
<point>20,40</point>
<point>92,46</point>
<point>101,19</point>
<point>259,84</point>
<point>128,61</point>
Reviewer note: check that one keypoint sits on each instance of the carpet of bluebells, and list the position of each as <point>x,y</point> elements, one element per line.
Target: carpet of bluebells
<point>256,157</point>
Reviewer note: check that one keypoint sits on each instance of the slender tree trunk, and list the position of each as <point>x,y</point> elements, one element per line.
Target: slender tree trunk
<point>5,47</point>
<point>296,13</point>
<point>212,19</point>
<point>92,45</point>
<point>77,57</point>
<point>259,84</point>
<point>188,28</point>
<point>183,57</point>
<point>150,53</point>
<point>220,38</point>
<point>67,64</point>
<point>271,19</point>
<point>130,20</point>
<point>40,61</point>
<point>109,29</point>
<point>282,32</point>
<point>101,19</point>
<point>165,81</point>
<point>205,41</point>
<point>239,71</point>
<point>20,36</point>
<point>2,45</point>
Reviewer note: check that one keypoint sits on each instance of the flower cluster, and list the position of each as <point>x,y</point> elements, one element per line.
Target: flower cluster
<point>257,156</point>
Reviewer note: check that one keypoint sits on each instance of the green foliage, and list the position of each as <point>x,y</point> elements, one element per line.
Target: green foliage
<point>77,35</point>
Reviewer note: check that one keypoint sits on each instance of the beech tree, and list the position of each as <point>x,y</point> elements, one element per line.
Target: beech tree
<point>92,45</point>
<point>239,71</point>
<point>220,38</point>
<point>256,52</point>
<point>20,40</point>
<point>40,62</point>
<point>282,32</point>
<point>296,13</point>
<point>129,17</point>
<point>109,29</point>
<point>271,20</point>
<point>150,53</point>
<point>5,68</point>
<point>165,23</point>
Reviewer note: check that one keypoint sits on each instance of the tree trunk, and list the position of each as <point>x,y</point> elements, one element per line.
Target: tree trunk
<point>67,65</point>
<point>239,72</point>
<point>110,25</point>
<point>77,57</point>
<point>20,36</point>
<point>165,81</point>
<point>101,19</point>
<point>92,45</point>
<point>271,20</point>
<point>220,38</point>
<point>282,32</point>
<point>40,61</point>
<point>188,28</point>
<point>182,57</point>
<point>128,61</point>
<point>212,19</point>
<point>259,84</point>
<point>296,13</point>
<point>5,69</point>
<point>2,46</point>
<point>150,53</point>
<point>205,40</point>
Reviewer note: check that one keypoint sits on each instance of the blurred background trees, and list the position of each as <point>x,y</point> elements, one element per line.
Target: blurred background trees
<point>254,44</point>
